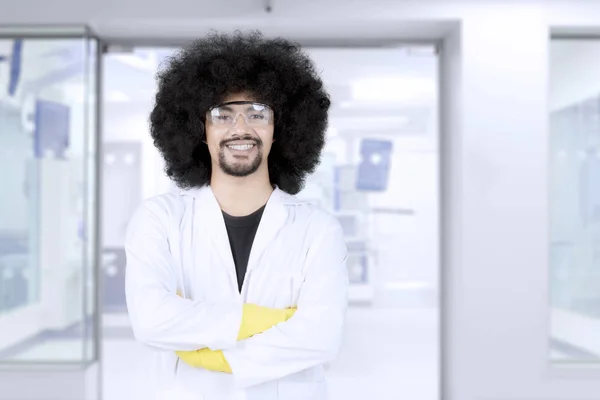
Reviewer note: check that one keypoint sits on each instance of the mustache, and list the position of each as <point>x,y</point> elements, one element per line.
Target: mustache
<point>248,138</point>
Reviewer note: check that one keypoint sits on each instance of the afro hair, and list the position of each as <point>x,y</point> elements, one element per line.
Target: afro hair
<point>203,74</point>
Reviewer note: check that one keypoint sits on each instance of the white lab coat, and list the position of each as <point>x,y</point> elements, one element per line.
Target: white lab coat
<point>178,242</point>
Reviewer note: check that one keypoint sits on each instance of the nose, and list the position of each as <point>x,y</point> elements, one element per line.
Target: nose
<point>239,125</point>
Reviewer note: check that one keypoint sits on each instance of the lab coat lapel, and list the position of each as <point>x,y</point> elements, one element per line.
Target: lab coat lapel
<point>272,221</point>
<point>210,219</point>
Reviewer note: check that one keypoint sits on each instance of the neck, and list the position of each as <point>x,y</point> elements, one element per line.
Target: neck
<point>240,196</point>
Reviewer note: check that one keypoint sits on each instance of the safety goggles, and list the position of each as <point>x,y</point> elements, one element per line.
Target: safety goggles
<point>226,114</point>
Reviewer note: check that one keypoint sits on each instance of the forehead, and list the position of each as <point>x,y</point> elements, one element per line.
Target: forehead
<point>226,103</point>
<point>239,97</point>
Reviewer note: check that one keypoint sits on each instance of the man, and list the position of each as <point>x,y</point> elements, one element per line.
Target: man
<point>238,287</point>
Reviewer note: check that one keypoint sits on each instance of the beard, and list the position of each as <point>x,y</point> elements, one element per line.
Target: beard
<point>245,165</point>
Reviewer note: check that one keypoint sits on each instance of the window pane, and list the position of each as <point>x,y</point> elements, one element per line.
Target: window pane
<point>45,255</point>
<point>379,176</point>
<point>574,162</point>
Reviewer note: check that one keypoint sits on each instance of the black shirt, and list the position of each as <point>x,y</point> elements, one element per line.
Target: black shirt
<point>241,232</point>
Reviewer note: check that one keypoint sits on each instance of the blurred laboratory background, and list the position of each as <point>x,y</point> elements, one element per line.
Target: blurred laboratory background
<point>462,160</point>
<point>379,175</point>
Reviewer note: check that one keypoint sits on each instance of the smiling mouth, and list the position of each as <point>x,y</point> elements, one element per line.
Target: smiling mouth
<point>240,147</point>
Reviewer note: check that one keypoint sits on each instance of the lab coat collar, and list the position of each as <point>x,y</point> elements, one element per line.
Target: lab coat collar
<point>208,215</point>
<point>278,195</point>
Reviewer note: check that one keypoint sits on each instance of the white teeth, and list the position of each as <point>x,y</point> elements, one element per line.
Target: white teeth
<point>241,146</point>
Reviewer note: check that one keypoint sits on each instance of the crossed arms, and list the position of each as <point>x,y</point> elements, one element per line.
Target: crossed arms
<point>225,336</point>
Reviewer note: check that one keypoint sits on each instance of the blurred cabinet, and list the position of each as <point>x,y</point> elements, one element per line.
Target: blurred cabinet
<point>113,280</point>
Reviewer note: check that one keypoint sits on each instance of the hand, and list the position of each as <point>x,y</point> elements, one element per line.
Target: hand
<point>257,319</point>
<point>205,358</point>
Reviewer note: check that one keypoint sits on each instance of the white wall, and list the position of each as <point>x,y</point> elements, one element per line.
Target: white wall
<point>500,259</point>
<point>496,246</point>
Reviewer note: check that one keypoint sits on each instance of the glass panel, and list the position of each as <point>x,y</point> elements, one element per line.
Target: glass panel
<point>379,175</point>
<point>45,254</point>
<point>574,162</point>
<point>91,187</point>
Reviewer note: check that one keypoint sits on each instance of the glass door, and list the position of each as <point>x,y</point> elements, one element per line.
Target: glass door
<point>379,175</point>
<point>48,207</point>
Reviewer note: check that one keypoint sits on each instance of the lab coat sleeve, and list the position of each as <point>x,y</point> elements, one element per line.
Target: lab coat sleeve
<point>159,317</point>
<point>313,335</point>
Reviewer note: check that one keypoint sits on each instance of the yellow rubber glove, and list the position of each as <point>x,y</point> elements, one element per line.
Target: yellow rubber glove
<point>205,358</point>
<point>257,319</point>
